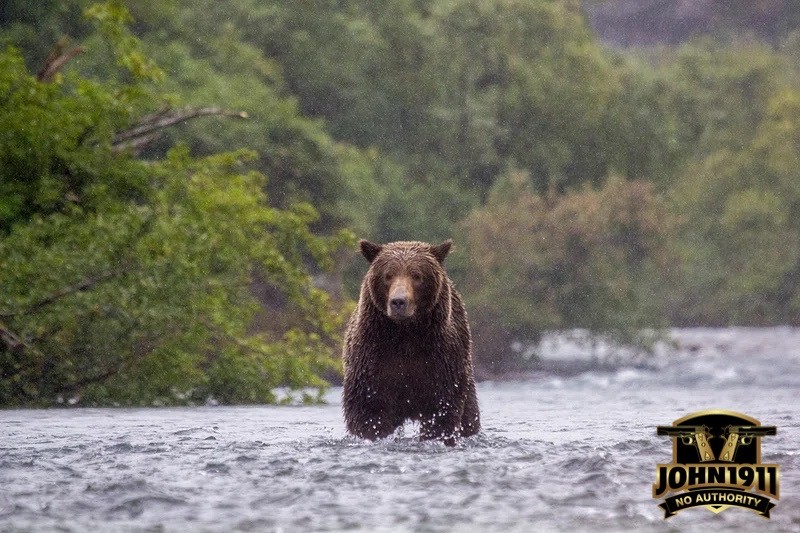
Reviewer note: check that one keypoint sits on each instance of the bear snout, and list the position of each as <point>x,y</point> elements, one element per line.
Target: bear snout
<point>400,304</point>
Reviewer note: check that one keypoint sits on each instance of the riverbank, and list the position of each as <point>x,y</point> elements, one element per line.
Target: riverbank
<point>569,354</point>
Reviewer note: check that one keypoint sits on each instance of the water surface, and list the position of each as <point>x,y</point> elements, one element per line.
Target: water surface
<point>560,454</point>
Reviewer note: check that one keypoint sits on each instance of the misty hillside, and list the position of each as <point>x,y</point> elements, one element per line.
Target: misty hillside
<point>651,22</point>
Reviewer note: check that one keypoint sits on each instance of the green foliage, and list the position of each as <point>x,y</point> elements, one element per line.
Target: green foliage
<point>741,233</point>
<point>453,90</point>
<point>229,65</point>
<point>501,123</point>
<point>112,19</point>
<point>55,141</point>
<point>552,85</point>
<point>578,260</point>
<point>127,281</point>
<point>719,93</point>
<point>35,27</point>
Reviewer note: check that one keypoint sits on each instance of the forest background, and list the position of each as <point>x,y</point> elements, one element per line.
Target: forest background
<point>182,183</point>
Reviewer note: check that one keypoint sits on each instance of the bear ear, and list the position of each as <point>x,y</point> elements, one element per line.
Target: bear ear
<point>370,250</point>
<point>440,251</point>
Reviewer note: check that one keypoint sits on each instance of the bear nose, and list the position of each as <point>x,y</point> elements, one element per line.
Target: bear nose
<point>398,304</point>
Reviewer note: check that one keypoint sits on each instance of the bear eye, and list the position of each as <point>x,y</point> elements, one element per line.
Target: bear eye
<point>416,276</point>
<point>388,276</point>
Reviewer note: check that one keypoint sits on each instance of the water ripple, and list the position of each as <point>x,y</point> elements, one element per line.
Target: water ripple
<point>573,457</point>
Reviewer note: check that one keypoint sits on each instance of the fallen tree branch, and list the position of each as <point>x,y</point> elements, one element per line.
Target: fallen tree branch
<point>14,344</point>
<point>12,341</point>
<point>90,380</point>
<point>146,130</point>
<point>81,286</point>
<point>71,388</point>
<point>56,61</point>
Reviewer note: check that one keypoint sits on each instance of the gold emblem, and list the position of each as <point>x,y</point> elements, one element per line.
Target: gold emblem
<point>716,463</point>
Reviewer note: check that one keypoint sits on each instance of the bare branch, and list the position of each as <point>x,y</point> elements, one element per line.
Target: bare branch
<point>152,117</point>
<point>12,341</point>
<point>146,130</point>
<point>144,351</point>
<point>82,286</point>
<point>135,146</point>
<point>56,61</point>
<point>15,344</point>
<point>96,378</point>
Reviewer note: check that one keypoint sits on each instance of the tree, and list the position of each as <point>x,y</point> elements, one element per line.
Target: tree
<point>128,281</point>
<point>741,233</point>
<point>583,259</point>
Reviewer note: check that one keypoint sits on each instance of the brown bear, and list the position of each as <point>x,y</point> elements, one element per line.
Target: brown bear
<point>407,347</point>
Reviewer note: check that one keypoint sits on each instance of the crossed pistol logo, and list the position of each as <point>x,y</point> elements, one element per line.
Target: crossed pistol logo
<point>699,436</point>
<point>716,463</point>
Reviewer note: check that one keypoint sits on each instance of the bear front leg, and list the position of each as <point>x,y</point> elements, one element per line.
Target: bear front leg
<point>365,416</point>
<point>471,418</point>
<point>372,425</point>
<point>444,425</point>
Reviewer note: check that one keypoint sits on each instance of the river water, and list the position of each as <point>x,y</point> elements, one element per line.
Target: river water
<point>555,454</point>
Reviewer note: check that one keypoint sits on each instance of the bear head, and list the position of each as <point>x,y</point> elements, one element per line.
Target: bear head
<point>405,278</point>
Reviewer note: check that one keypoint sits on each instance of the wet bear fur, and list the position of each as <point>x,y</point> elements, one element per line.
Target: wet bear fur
<point>407,347</point>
